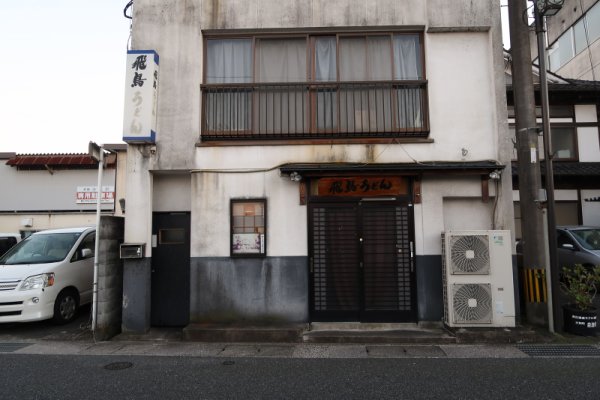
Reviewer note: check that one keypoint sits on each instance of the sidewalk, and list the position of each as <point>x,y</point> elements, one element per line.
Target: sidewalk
<point>298,350</point>
<point>169,342</point>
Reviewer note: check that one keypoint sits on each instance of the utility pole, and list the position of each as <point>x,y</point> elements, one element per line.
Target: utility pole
<point>549,180</point>
<point>532,223</point>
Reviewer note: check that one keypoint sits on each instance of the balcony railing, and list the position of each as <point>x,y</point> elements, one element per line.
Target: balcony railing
<point>326,110</point>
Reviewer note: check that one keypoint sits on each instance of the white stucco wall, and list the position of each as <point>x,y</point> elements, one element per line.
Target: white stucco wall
<point>41,221</point>
<point>462,107</point>
<point>120,181</point>
<point>138,220</point>
<point>172,192</point>
<point>24,190</point>
<point>286,219</point>
<point>588,139</point>
<point>590,207</point>
<point>445,202</point>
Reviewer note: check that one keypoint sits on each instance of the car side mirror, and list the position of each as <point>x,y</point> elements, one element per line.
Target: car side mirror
<point>568,246</point>
<point>86,253</point>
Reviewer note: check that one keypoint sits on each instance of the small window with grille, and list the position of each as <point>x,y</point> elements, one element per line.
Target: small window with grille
<point>248,227</point>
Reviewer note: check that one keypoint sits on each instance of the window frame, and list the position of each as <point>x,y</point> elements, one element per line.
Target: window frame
<point>310,122</point>
<point>77,255</point>
<point>310,43</point>
<point>264,244</point>
<point>563,117</point>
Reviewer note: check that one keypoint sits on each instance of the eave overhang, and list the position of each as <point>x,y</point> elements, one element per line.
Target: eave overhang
<point>418,168</point>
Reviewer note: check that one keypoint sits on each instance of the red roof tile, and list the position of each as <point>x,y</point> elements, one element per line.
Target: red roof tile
<point>52,160</point>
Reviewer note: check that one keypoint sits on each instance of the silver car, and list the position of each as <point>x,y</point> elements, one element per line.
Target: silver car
<point>578,245</point>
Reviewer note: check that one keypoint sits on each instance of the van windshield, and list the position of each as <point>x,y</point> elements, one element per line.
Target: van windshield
<point>41,248</point>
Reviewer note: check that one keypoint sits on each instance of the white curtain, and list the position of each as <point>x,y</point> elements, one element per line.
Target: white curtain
<point>407,66</point>
<point>228,61</point>
<point>379,58</point>
<point>407,57</point>
<point>326,71</point>
<point>281,109</point>
<point>325,59</point>
<point>366,108</point>
<point>281,60</point>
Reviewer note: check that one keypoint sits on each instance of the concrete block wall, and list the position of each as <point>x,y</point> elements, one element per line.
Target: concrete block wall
<point>110,278</point>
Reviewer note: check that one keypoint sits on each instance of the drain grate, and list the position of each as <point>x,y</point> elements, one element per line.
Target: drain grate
<point>11,347</point>
<point>546,350</point>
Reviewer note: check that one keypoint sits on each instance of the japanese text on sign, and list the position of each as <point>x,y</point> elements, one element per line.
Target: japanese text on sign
<point>89,194</point>
<point>139,122</point>
<point>362,186</point>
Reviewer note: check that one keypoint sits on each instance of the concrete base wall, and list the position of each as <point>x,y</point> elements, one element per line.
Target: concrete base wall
<point>276,289</point>
<point>110,278</point>
<point>272,289</point>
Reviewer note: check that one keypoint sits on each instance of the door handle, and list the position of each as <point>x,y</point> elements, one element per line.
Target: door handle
<point>412,257</point>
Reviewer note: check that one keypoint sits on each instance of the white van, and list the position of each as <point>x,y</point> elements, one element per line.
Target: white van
<point>48,275</point>
<point>8,240</point>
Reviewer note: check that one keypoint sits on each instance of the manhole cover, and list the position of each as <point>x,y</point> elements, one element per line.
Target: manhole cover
<point>118,366</point>
<point>10,347</point>
<point>538,350</point>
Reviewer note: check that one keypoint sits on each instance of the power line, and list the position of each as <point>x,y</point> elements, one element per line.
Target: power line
<point>126,8</point>
<point>587,39</point>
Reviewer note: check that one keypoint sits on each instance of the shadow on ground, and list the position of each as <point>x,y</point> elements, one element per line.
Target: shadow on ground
<point>79,329</point>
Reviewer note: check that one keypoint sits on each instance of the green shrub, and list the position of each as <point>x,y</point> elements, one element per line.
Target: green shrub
<point>580,284</point>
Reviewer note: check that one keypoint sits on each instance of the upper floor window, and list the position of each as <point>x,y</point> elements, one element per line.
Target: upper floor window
<point>563,128</point>
<point>575,39</point>
<point>314,86</point>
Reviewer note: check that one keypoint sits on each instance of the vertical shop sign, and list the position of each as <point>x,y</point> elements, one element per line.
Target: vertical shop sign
<point>141,90</point>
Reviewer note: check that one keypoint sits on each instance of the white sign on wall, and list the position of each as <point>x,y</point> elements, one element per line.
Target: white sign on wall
<point>141,91</point>
<point>590,207</point>
<point>89,194</point>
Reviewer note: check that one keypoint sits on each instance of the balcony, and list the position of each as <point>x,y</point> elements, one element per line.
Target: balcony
<point>306,111</point>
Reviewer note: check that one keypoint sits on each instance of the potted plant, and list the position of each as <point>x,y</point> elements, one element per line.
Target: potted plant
<point>580,284</point>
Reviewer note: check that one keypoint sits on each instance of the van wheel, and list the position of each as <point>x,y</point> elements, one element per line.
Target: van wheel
<point>66,306</point>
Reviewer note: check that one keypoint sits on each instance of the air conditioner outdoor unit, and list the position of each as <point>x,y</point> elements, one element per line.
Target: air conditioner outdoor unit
<point>478,279</point>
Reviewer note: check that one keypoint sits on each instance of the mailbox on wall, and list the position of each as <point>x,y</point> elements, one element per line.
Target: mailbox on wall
<point>132,250</point>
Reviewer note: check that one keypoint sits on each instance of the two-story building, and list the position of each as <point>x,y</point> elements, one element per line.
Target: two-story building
<point>308,155</point>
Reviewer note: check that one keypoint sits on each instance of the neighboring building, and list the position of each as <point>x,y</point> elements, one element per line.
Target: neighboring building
<point>46,191</point>
<point>576,148</point>
<point>574,119</point>
<point>309,155</point>
<point>574,40</point>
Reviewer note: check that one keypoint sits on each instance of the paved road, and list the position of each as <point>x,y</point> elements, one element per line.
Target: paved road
<point>89,377</point>
<point>44,361</point>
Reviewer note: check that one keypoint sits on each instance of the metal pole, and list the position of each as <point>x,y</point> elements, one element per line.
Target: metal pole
<point>552,242</point>
<point>96,246</point>
<point>527,149</point>
<point>548,280</point>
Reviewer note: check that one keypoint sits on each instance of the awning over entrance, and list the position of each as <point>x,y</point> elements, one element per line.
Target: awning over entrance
<point>433,167</point>
<point>486,169</point>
